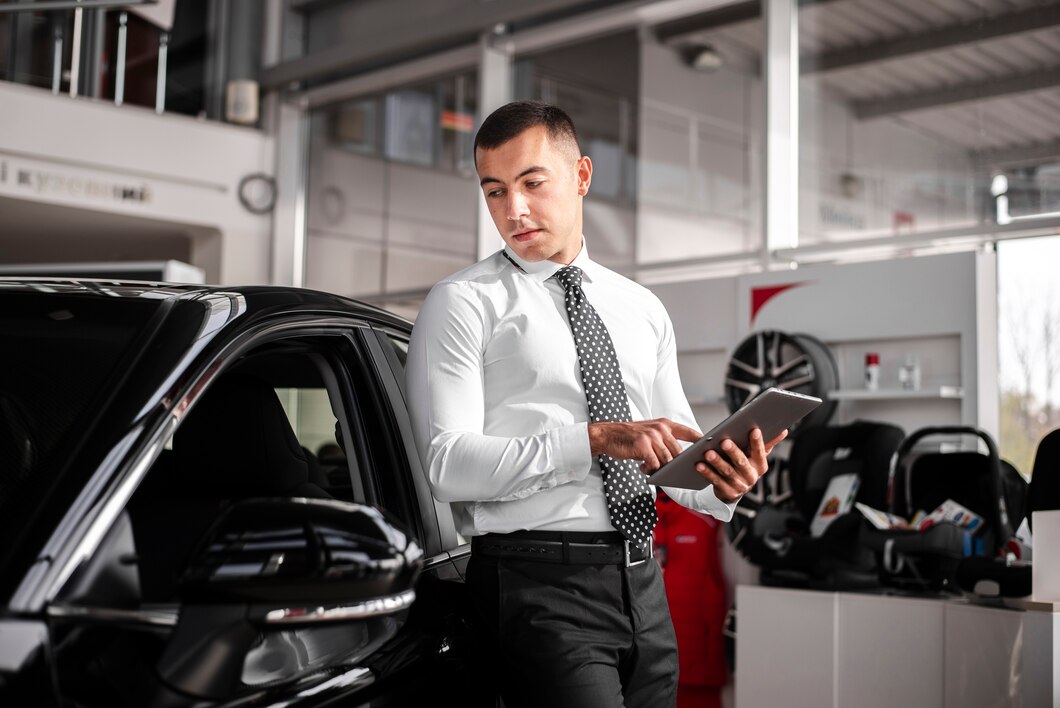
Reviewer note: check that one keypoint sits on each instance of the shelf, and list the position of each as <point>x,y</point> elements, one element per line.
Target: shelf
<point>889,394</point>
<point>861,394</point>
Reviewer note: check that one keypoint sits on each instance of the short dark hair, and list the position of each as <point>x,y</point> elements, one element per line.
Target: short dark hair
<point>513,119</point>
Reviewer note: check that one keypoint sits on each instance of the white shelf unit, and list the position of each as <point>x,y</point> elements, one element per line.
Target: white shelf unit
<point>938,401</point>
<point>855,394</point>
<point>939,309</point>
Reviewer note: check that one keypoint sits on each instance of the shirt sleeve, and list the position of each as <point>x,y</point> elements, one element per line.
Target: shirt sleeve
<point>669,401</point>
<point>447,404</point>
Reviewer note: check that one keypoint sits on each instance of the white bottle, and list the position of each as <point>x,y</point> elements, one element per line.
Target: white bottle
<point>909,373</point>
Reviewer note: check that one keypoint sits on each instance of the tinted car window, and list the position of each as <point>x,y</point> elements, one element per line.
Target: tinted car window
<point>389,475</point>
<point>60,354</point>
<point>401,349</point>
<point>310,412</point>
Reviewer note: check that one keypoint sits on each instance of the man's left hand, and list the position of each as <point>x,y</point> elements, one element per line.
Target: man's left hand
<point>735,476</point>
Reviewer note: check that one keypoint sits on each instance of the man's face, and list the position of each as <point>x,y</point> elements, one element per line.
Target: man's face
<point>534,188</point>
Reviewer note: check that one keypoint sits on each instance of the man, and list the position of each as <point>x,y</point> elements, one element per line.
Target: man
<point>534,377</point>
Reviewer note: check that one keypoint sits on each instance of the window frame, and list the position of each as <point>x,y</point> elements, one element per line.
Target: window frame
<point>449,540</point>
<point>88,519</point>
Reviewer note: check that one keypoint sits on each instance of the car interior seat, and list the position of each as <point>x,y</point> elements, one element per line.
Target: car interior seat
<point>316,470</point>
<point>236,443</point>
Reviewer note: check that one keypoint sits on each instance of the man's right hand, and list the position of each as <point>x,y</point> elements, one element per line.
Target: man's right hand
<point>655,442</point>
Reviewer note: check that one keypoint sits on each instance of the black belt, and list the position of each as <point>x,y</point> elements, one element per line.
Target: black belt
<point>567,547</point>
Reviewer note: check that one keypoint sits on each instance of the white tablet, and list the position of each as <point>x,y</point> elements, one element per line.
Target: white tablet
<point>772,411</point>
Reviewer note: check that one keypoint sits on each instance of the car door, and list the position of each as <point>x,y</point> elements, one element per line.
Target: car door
<point>458,650</point>
<point>113,623</point>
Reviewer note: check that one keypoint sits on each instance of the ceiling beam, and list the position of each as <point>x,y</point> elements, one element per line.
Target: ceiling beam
<point>677,31</point>
<point>415,39</point>
<point>1029,20</point>
<point>964,93</point>
<point>1019,155</point>
<point>48,5</point>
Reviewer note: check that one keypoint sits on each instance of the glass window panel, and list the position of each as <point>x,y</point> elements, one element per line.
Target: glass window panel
<point>354,126</point>
<point>699,141</point>
<point>392,193</point>
<point>597,83</point>
<point>909,142</point>
<point>411,120</point>
<point>1028,346</point>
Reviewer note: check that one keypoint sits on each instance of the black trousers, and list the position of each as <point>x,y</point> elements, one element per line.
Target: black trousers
<point>584,636</point>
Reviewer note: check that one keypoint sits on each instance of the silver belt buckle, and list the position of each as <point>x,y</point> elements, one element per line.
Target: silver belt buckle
<point>650,553</point>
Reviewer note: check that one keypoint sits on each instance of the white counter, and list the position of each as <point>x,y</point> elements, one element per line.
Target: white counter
<point>808,649</point>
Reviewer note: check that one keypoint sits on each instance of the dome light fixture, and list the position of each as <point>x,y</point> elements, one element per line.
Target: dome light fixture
<point>702,57</point>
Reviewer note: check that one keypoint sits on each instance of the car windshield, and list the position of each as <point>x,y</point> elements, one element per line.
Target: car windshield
<point>59,353</point>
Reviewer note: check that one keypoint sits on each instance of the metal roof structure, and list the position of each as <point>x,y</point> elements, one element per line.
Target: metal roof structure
<point>980,74</point>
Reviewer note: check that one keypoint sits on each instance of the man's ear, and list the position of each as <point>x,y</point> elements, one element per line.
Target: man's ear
<point>584,174</point>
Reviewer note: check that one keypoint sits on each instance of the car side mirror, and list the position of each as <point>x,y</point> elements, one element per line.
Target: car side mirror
<point>283,568</point>
<point>318,552</point>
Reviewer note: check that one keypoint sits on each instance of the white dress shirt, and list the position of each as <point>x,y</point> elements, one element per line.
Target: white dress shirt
<point>498,409</point>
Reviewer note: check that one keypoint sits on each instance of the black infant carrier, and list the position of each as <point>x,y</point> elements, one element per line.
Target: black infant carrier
<point>966,528</point>
<point>784,538</point>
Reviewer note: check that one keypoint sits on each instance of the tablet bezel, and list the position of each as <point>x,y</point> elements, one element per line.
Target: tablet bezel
<point>773,411</point>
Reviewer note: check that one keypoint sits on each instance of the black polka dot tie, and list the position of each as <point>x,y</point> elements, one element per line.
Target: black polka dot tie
<point>629,498</point>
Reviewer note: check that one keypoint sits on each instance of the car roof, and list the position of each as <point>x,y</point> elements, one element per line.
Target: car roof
<point>256,295</point>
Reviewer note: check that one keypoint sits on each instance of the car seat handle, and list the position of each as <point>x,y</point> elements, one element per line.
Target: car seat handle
<point>897,463</point>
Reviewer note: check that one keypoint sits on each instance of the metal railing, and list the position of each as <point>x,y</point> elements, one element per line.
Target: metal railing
<point>86,35</point>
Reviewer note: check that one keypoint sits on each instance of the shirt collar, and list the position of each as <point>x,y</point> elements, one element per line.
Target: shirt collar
<point>543,270</point>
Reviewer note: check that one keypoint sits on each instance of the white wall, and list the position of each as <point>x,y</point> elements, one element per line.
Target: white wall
<point>378,226</point>
<point>375,225</point>
<point>184,172</point>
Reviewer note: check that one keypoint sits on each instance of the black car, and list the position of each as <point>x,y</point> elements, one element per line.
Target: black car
<point>211,496</point>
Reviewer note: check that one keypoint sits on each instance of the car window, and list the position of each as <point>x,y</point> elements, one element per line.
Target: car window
<point>390,475</point>
<point>255,431</point>
<point>395,349</point>
<point>65,350</point>
<point>311,414</point>
<point>285,420</point>
<point>60,354</point>
<point>401,349</point>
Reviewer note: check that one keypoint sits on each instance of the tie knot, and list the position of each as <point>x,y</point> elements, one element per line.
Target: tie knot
<point>569,277</point>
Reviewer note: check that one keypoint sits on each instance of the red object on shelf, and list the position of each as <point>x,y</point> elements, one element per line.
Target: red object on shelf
<point>872,371</point>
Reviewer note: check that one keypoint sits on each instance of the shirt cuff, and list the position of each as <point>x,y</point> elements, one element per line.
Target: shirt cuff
<point>708,502</point>
<point>570,451</point>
